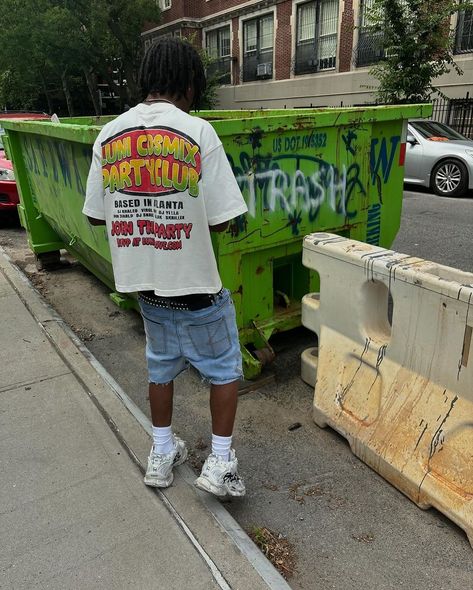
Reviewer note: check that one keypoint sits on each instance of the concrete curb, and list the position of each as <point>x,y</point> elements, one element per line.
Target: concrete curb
<point>233,559</point>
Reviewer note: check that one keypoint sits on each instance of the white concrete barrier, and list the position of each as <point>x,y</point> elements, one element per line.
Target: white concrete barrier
<point>395,367</point>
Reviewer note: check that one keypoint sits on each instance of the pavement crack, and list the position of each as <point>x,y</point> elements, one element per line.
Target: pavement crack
<point>18,384</point>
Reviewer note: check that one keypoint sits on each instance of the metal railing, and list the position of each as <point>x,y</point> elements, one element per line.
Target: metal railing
<point>464,33</point>
<point>369,49</point>
<point>307,60</point>
<point>455,112</point>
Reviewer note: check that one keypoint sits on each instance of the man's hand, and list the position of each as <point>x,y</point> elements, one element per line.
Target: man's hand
<point>94,221</point>
<point>220,227</point>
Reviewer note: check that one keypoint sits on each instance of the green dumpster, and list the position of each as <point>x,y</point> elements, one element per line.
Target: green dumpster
<point>334,170</point>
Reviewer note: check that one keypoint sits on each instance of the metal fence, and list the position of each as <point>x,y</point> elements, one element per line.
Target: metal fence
<point>455,112</point>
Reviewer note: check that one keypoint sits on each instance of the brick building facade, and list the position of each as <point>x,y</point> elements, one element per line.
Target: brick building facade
<point>276,53</point>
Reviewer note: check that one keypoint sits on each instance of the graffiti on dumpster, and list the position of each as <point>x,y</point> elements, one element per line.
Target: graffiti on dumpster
<point>295,185</point>
<point>348,140</point>
<point>57,160</point>
<point>373,230</point>
<point>382,157</point>
<point>294,143</point>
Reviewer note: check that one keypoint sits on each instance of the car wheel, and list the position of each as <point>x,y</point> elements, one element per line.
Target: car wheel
<point>450,178</point>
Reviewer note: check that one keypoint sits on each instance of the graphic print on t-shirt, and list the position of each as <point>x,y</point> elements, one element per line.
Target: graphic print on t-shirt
<point>158,161</point>
<point>151,165</point>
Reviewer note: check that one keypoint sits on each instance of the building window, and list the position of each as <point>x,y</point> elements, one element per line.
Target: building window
<point>165,4</point>
<point>258,41</point>
<point>218,48</point>
<point>464,38</point>
<point>370,48</point>
<point>317,33</point>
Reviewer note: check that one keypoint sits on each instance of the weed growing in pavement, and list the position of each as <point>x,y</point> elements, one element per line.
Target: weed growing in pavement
<point>276,548</point>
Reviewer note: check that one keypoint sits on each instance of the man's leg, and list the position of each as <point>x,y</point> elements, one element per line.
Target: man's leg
<point>223,406</point>
<point>220,471</point>
<point>220,360</point>
<point>164,363</point>
<point>160,400</point>
<point>168,450</point>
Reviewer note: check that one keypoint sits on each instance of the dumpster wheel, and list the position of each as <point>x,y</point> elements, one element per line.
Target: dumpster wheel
<point>50,261</point>
<point>265,355</point>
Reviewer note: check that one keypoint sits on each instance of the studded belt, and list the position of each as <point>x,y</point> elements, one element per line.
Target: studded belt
<point>182,303</point>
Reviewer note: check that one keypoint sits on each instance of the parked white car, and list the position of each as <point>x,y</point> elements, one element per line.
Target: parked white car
<point>439,158</point>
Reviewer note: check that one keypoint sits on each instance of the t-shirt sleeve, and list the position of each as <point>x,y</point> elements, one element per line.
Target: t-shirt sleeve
<point>94,205</point>
<point>222,195</point>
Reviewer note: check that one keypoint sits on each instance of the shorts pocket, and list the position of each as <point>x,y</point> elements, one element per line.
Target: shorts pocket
<point>155,336</point>
<point>212,339</point>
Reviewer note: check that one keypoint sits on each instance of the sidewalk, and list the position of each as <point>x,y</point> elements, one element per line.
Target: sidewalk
<point>74,512</point>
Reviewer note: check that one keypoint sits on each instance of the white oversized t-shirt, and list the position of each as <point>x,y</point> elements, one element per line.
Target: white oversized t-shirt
<point>159,178</point>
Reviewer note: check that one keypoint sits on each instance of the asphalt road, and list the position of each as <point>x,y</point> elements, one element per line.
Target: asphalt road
<point>350,529</point>
<point>438,229</point>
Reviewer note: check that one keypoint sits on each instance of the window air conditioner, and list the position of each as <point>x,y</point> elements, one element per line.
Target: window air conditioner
<point>264,70</point>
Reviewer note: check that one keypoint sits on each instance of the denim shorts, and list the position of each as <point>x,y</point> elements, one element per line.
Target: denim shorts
<point>206,338</point>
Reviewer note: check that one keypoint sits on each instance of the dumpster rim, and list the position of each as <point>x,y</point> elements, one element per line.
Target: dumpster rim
<point>282,122</point>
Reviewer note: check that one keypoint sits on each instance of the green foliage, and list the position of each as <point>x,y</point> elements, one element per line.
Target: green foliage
<point>209,100</point>
<point>12,91</point>
<point>55,51</point>
<point>418,43</point>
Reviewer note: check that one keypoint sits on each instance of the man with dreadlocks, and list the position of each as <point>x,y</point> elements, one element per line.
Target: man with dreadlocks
<point>160,182</point>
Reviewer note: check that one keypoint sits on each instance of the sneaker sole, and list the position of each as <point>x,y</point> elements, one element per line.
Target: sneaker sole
<point>207,486</point>
<point>153,482</point>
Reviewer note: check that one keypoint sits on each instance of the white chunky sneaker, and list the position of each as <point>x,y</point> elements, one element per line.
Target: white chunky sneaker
<point>221,477</point>
<point>159,473</point>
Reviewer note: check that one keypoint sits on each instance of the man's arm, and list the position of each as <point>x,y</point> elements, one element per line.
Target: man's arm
<point>222,195</point>
<point>220,227</point>
<point>94,205</point>
<point>94,221</point>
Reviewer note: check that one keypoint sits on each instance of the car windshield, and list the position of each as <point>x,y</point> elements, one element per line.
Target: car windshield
<point>436,131</point>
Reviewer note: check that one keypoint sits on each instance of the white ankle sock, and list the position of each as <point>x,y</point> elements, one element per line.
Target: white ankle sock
<point>221,446</point>
<point>162,440</point>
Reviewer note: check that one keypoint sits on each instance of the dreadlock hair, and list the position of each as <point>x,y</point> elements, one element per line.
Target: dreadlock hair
<point>171,66</point>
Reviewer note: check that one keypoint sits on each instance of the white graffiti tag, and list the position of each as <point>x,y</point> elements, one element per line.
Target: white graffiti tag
<point>290,192</point>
